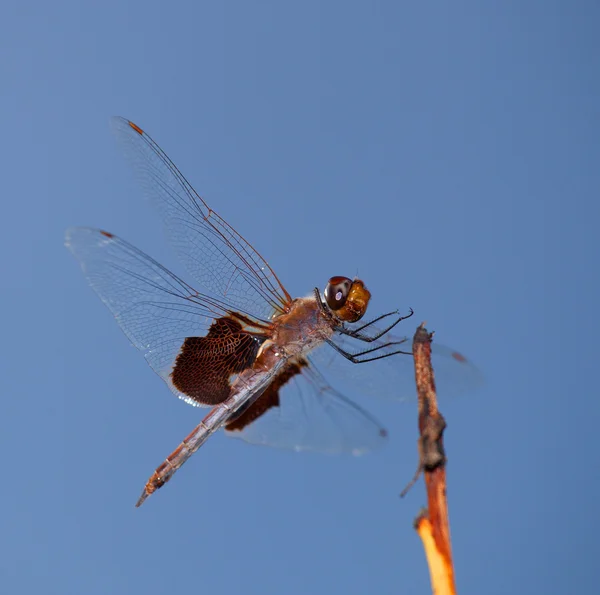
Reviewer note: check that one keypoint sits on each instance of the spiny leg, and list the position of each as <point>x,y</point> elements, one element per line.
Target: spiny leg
<point>356,333</point>
<point>355,358</point>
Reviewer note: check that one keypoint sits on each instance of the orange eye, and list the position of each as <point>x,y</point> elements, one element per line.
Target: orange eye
<point>336,292</point>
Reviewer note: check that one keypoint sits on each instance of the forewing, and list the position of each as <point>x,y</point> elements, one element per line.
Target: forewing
<point>165,318</point>
<point>394,377</point>
<point>219,258</point>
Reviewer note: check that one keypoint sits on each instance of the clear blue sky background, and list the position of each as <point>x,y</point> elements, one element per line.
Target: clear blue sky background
<point>448,152</point>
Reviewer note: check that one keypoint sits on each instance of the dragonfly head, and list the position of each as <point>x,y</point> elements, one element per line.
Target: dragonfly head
<point>346,298</point>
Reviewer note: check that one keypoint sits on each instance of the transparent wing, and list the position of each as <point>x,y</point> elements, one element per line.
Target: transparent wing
<point>394,377</point>
<point>156,309</point>
<point>303,411</point>
<point>219,258</point>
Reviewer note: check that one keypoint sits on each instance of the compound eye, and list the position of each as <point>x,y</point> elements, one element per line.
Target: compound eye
<point>336,292</point>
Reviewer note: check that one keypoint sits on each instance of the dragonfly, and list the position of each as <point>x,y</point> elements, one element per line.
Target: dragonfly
<point>243,346</point>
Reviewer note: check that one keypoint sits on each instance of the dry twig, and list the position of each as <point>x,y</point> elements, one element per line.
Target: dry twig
<point>432,524</point>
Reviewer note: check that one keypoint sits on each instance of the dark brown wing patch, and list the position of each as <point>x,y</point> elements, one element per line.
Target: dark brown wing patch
<point>204,366</point>
<point>270,398</point>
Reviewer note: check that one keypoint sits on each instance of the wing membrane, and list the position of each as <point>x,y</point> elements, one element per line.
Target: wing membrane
<point>156,309</point>
<point>394,377</point>
<point>219,258</point>
<point>302,411</point>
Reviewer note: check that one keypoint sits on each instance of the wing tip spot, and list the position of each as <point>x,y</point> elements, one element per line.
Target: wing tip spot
<point>459,357</point>
<point>107,234</point>
<point>136,128</point>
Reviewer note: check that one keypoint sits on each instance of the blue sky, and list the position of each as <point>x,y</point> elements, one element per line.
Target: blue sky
<point>446,152</point>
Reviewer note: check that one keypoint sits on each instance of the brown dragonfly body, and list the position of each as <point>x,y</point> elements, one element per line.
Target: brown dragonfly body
<point>293,334</point>
<point>243,346</point>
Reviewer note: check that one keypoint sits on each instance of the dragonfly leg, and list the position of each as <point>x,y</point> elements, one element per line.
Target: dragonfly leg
<point>357,333</point>
<point>358,357</point>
